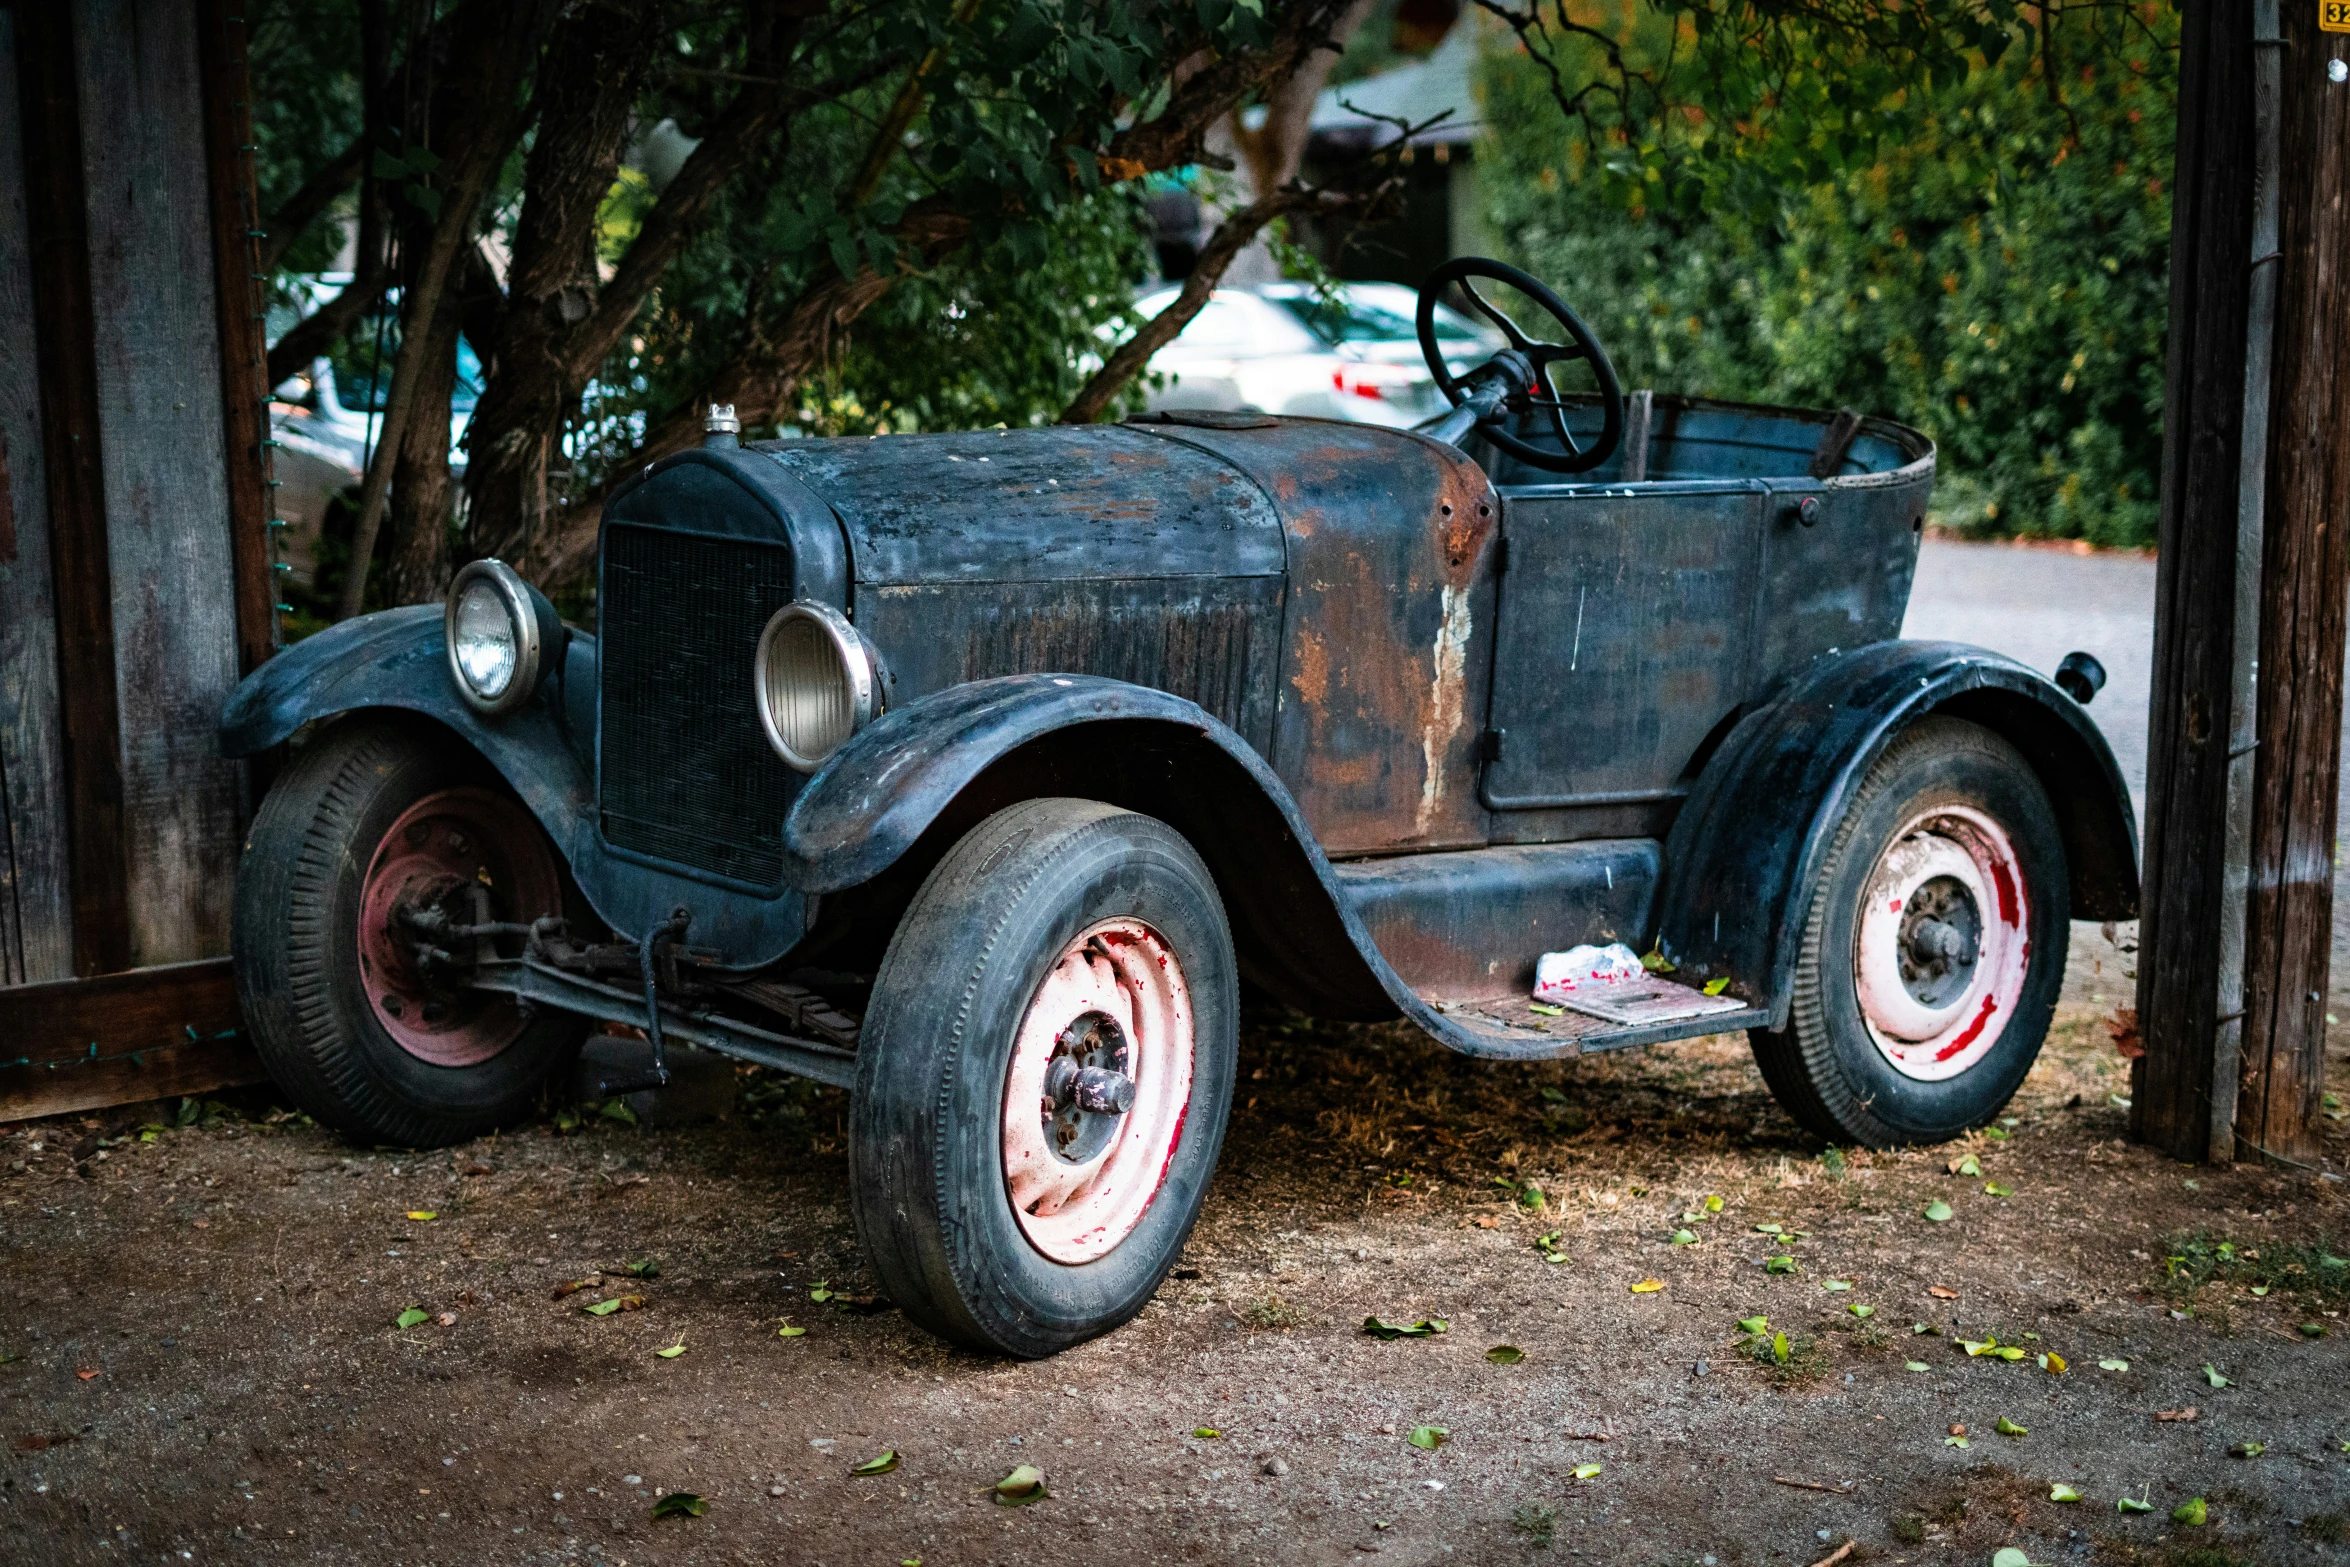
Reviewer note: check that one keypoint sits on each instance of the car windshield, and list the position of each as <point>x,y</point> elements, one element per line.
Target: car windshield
<point>361,390</point>
<point>1350,318</point>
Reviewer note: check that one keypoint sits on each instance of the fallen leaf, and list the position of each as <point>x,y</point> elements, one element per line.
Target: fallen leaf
<point>1715,986</point>
<point>2188,1413</point>
<point>1206,1431</point>
<point>1021,1487</point>
<point>1713,1205</point>
<point>1684,1237</point>
<point>1964,1164</point>
<point>1993,1188</point>
<point>1586,1471</point>
<point>1753,1324</point>
<point>1782,1265</point>
<point>1859,1310</point>
<point>1548,1244</point>
<point>1648,1286</point>
<point>2260,1289</point>
<point>680,1504</point>
<point>1779,1348</point>
<point>605,1308</point>
<point>2248,1450</point>
<point>1486,1221</point>
<point>1429,1437</point>
<point>571,1287</point>
<point>2053,1363</point>
<point>422,1215</point>
<point>643,1268</point>
<point>2009,1556</point>
<point>788,1331</point>
<point>1937,1211</point>
<point>1426,1327</point>
<point>2060,1492</point>
<point>2008,1352</point>
<point>2130,1504</point>
<point>1545,1009</point>
<point>1954,1441</point>
<point>2007,1427</point>
<point>1505,1354</point>
<point>1997,1134</point>
<point>1941,1293</point>
<point>2212,1376</point>
<point>411,1317</point>
<point>618,1110</point>
<point>447,1319</point>
<point>878,1466</point>
<point>1836,1286</point>
<point>86,1374</point>
<point>1975,1347</point>
<point>2191,1512</point>
<point>2123,1026</point>
<point>2313,1330</point>
<point>2113,1365</point>
<point>1915,1365</point>
<point>673,1351</point>
<point>1655,961</point>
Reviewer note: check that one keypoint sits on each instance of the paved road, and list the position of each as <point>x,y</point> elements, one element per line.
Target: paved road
<point>2037,605</point>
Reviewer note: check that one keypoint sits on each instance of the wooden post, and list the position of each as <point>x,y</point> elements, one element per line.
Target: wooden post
<point>57,220</point>
<point>2305,577</point>
<point>244,356</point>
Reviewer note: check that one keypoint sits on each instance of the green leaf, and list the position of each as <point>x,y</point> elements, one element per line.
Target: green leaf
<point>2052,1363</point>
<point>2009,1352</point>
<point>2060,1492</point>
<point>2192,1512</point>
<point>2248,1450</point>
<point>1915,1365</point>
<point>680,1504</point>
<point>1429,1437</point>
<point>1753,1324</point>
<point>1925,1327</point>
<point>1021,1487</point>
<point>1648,1286</point>
<point>788,1331</point>
<point>1656,962</point>
<point>1836,1286</point>
<point>1505,1354</point>
<point>2313,1330</point>
<point>1206,1432</point>
<point>1994,1189</point>
<point>1859,1310</point>
<point>2113,1365</point>
<point>878,1466</point>
<point>1997,1134</point>
<point>1779,1349</point>
<point>618,1110</point>
<point>422,1215</point>
<point>1713,1205</point>
<point>1937,1211</point>
<point>1715,986</point>
<point>1426,1327</point>
<point>644,1268</point>
<point>1684,1237</point>
<point>2009,1556</point>
<point>412,1316</point>
<point>1545,1009</point>
<point>1954,1441</point>
<point>2007,1427</point>
<point>673,1351</point>
<point>1782,1264</point>
<point>2212,1376</point>
<point>1586,1471</point>
<point>821,1293</point>
<point>1965,1164</point>
<point>2130,1504</point>
<point>602,1308</point>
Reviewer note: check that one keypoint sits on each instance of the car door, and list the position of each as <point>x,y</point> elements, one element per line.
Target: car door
<point>1623,639</point>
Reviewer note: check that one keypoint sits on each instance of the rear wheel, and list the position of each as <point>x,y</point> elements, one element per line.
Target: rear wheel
<point>1933,949</point>
<point>375,826</point>
<point>1043,1078</point>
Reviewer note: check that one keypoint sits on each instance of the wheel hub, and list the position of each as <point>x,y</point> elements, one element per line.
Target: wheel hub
<point>1097,1091</point>
<point>1942,944</point>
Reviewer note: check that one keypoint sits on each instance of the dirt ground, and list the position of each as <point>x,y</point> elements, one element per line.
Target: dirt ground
<point>203,1362</point>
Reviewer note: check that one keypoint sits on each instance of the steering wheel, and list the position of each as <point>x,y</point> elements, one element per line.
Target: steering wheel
<point>1538,390</point>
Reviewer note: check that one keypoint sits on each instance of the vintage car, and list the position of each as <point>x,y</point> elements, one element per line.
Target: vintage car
<point>978,773</point>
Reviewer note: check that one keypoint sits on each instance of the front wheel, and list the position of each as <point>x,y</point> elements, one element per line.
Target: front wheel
<point>377,829</point>
<point>1934,947</point>
<point>1044,1076</point>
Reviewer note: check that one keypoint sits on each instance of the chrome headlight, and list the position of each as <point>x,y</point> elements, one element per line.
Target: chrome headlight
<point>815,682</point>
<point>502,634</point>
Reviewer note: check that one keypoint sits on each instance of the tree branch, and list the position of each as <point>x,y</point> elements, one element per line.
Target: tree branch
<point>287,223</point>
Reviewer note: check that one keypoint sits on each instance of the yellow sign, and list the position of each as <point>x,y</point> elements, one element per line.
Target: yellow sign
<point>2333,16</point>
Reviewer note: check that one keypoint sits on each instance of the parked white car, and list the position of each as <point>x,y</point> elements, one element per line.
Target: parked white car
<point>1284,348</point>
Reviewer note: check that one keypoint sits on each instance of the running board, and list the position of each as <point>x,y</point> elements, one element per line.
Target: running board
<point>1511,1022</point>
<point>542,984</point>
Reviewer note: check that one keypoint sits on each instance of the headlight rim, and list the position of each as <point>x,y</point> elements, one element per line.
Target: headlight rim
<point>857,663</point>
<point>516,596</point>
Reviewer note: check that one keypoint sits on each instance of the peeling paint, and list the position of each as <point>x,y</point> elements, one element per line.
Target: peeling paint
<point>1447,701</point>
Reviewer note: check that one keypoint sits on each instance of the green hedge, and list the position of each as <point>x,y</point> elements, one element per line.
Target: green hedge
<point>1990,264</point>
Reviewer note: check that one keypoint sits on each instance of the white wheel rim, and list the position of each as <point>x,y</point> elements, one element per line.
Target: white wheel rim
<point>1930,1011</point>
<point>1077,1209</point>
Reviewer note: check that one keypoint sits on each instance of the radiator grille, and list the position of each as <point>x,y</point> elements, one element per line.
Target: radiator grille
<point>687,775</point>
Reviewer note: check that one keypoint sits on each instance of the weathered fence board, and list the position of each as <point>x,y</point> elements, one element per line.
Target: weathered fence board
<point>36,902</point>
<point>159,377</point>
<point>83,1043</point>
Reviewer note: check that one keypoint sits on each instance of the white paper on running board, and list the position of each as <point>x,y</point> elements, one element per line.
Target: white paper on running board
<point>1633,1003</point>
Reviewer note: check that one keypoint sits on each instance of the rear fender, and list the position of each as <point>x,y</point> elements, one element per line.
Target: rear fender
<point>396,661</point>
<point>1749,842</point>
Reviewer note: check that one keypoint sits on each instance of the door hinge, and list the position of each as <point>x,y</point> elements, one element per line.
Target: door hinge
<point>1489,748</point>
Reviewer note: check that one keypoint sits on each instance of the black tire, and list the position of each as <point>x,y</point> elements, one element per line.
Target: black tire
<point>296,943</point>
<point>926,1145</point>
<point>1825,1067</point>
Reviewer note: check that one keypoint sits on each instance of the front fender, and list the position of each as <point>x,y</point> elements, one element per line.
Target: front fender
<point>396,661</point>
<point>1747,846</point>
